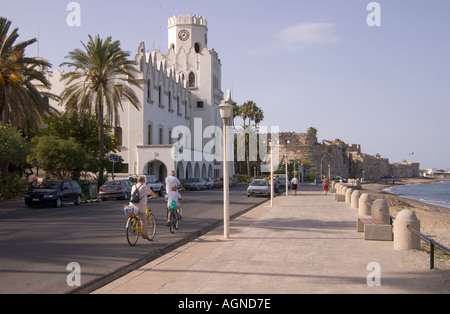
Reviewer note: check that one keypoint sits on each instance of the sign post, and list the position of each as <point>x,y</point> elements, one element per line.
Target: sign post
<point>113,158</point>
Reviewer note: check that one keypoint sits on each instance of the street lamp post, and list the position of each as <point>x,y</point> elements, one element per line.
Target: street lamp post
<point>226,110</point>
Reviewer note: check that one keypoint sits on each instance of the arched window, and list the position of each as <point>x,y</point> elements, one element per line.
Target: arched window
<point>197,47</point>
<point>192,79</point>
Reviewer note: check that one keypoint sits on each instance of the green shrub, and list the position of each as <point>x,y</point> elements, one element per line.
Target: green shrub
<point>12,187</point>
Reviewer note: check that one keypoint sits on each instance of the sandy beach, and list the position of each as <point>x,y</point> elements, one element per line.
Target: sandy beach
<point>434,220</point>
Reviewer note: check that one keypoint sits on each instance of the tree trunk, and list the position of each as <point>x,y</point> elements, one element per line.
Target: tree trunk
<point>101,141</point>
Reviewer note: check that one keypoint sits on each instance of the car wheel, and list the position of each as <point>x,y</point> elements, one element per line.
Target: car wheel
<point>78,200</point>
<point>58,202</point>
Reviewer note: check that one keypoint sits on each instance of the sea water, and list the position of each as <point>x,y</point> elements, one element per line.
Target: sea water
<point>431,193</point>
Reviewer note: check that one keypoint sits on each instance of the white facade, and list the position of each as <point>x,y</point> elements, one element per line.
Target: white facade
<point>179,89</point>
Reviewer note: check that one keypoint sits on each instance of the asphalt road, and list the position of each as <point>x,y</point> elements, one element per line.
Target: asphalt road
<point>36,245</point>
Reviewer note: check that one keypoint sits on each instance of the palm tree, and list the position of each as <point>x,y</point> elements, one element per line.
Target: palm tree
<point>21,103</point>
<point>102,75</point>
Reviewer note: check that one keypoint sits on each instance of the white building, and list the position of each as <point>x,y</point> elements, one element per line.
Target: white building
<point>181,90</point>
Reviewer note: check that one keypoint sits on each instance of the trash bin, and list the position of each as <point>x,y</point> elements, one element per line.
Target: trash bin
<point>84,184</point>
<point>93,190</point>
<point>89,190</point>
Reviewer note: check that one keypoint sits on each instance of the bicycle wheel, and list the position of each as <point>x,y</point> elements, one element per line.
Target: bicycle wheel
<point>172,222</point>
<point>151,226</point>
<point>132,232</point>
<point>177,221</point>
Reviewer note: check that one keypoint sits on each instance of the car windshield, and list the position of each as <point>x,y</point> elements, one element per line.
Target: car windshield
<point>49,184</point>
<point>259,183</point>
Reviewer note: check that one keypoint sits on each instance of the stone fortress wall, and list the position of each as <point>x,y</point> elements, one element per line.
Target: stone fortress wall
<point>345,160</point>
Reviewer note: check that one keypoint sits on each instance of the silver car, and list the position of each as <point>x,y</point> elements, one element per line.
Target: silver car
<point>259,187</point>
<point>120,189</point>
<point>194,184</point>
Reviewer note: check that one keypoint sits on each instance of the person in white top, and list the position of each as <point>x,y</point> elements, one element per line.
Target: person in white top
<point>171,180</point>
<point>294,184</point>
<point>173,196</point>
<point>144,191</point>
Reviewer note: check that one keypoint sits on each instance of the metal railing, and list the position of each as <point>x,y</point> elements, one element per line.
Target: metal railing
<point>433,244</point>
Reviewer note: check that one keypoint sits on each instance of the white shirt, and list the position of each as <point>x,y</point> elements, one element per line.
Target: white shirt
<point>172,180</point>
<point>173,196</point>
<point>144,191</point>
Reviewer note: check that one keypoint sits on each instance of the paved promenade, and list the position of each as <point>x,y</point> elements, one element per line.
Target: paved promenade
<point>304,244</point>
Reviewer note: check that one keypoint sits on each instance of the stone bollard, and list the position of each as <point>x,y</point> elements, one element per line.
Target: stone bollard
<point>380,210</point>
<point>355,198</point>
<point>365,203</point>
<point>338,188</point>
<point>405,239</point>
<point>348,195</point>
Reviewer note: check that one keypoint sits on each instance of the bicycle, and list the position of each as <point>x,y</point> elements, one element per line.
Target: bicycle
<point>135,226</point>
<point>174,220</point>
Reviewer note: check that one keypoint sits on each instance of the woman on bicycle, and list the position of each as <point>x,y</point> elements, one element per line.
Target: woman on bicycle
<point>144,192</point>
<point>173,196</point>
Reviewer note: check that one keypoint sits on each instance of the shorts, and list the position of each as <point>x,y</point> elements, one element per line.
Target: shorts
<point>294,187</point>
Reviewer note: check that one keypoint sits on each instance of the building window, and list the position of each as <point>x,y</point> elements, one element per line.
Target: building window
<point>192,79</point>
<point>149,90</point>
<point>149,134</point>
<point>161,135</point>
<point>199,104</point>
<point>197,47</point>
<point>118,135</point>
<point>160,97</point>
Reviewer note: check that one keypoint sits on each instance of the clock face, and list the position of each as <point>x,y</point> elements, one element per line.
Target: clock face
<point>183,35</point>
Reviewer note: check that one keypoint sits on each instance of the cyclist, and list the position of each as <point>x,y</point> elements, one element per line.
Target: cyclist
<point>173,196</point>
<point>170,180</point>
<point>144,191</point>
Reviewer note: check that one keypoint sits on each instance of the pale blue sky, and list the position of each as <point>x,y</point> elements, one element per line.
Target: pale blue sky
<point>305,62</point>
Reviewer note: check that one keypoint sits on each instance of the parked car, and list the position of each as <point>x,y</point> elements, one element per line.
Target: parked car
<point>218,184</point>
<point>120,189</point>
<point>259,187</point>
<point>152,182</point>
<point>209,183</point>
<point>194,184</point>
<point>55,193</point>
<point>282,182</point>
<point>339,179</point>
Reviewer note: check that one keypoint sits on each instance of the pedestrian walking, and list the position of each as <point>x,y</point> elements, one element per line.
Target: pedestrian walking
<point>325,185</point>
<point>294,183</point>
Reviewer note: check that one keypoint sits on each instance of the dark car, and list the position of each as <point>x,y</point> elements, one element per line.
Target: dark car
<point>54,193</point>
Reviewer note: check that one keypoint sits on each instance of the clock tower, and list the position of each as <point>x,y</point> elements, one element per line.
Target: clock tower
<point>188,31</point>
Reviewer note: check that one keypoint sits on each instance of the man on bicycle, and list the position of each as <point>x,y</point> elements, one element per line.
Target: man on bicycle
<point>144,192</point>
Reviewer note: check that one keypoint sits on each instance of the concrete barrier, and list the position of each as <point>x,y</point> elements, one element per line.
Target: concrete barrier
<point>355,199</point>
<point>348,195</point>
<point>380,210</point>
<point>365,203</point>
<point>405,239</point>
